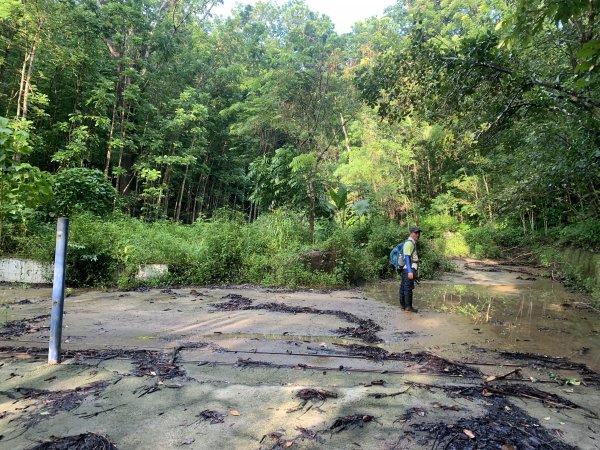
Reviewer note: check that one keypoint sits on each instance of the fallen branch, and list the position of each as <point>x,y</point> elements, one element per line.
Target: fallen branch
<point>353,421</point>
<point>384,395</point>
<point>501,377</point>
<point>97,413</point>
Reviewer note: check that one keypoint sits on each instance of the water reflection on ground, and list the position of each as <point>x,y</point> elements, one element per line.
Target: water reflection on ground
<point>539,316</point>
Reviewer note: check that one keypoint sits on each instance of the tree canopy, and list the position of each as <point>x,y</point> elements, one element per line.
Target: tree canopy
<point>484,110</point>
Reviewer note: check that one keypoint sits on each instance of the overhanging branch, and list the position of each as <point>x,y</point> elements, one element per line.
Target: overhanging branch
<point>575,97</point>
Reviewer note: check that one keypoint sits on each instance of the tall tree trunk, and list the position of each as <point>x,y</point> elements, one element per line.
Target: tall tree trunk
<point>166,181</point>
<point>110,137</point>
<point>181,191</point>
<point>346,140</point>
<point>429,184</point>
<point>489,203</point>
<point>22,83</point>
<point>311,212</point>
<point>188,204</point>
<point>532,220</point>
<point>414,192</point>
<point>124,115</point>
<point>28,80</point>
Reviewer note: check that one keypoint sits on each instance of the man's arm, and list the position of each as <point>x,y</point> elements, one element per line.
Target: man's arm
<point>408,263</point>
<point>407,253</point>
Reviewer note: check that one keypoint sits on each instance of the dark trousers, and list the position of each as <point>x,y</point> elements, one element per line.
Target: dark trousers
<point>406,289</point>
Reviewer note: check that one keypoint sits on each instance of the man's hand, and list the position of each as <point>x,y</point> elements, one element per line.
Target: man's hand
<point>411,275</point>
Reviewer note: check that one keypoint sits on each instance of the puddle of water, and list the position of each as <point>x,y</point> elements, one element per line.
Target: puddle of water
<point>13,293</point>
<point>539,317</point>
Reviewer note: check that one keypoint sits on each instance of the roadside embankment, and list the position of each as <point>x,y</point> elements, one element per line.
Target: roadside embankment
<point>577,267</point>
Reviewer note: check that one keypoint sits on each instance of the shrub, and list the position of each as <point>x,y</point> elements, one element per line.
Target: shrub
<point>81,190</point>
<point>482,242</point>
<point>383,237</point>
<point>219,255</point>
<point>453,244</point>
<point>436,225</point>
<point>353,265</point>
<point>269,251</point>
<point>432,260</point>
<point>91,259</point>
<point>584,234</point>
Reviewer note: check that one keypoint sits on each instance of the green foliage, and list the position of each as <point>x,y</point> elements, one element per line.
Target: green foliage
<point>347,212</point>
<point>483,242</point>
<point>23,187</point>
<point>454,245</point>
<point>379,237</point>
<point>220,256</point>
<point>289,179</point>
<point>80,190</point>
<point>352,265</point>
<point>432,260</point>
<point>509,134</point>
<point>435,225</point>
<point>91,258</point>
<point>270,251</point>
<point>489,140</point>
<point>584,234</point>
<point>470,310</point>
<point>446,233</point>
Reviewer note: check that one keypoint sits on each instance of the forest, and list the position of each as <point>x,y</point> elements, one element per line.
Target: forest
<point>235,149</point>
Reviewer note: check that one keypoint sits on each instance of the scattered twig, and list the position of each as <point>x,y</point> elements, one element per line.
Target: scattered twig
<point>501,377</point>
<point>97,413</point>
<point>352,421</point>
<point>213,416</point>
<point>145,390</point>
<point>384,395</point>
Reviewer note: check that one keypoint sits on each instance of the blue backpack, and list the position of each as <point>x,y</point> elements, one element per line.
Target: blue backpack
<point>396,254</point>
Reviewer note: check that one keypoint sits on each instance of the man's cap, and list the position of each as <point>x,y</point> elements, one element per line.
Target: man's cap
<point>414,230</point>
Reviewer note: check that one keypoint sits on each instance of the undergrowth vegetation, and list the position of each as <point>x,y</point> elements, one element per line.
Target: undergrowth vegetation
<point>274,250</point>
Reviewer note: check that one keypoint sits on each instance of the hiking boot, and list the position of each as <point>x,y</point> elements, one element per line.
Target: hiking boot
<point>408,297</point>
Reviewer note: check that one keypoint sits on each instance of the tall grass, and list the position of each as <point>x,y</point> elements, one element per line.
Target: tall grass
<point>271,251</point>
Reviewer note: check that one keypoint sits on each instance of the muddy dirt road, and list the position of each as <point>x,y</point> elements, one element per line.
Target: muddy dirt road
<point>246,368</point>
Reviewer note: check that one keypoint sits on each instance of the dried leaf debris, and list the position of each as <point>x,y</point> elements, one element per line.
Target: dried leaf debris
<point>366,329</point>
<point>87,441</point>
<point>212,416</point>
<point>17,328</point>
<point>349,422</point>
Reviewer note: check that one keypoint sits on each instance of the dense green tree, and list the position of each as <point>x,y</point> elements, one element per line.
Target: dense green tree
<point>516,114</point>
<point>480,110</point>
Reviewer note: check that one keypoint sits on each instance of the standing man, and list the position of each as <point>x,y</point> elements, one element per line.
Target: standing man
<point>410,265</point>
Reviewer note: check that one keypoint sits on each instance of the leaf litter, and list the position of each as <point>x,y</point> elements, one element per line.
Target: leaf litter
<point>87,441</point>
<point>503,426</point>
<point>549,362</point>
<point>314,395</point>
<point>212,416</point>
<point>49,403</point>
<point>350,422</point>
<point>17,328</point>
<point>366,330</point>
<point>429,362</point>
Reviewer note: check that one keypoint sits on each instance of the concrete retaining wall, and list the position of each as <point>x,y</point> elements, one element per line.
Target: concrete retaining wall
<point>14,270</point>
<point>151,270</point>
<point>25,271</point>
